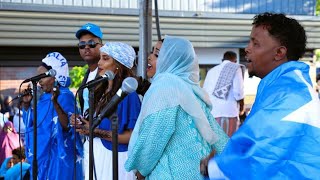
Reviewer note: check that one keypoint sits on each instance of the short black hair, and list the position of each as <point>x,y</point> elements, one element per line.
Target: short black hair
<point>19,152</point>
<point>288,31</point>
<point>229,55</point>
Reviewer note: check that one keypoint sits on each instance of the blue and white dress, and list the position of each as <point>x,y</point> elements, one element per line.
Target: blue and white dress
<point>175,128</point>
<point>55,152</point>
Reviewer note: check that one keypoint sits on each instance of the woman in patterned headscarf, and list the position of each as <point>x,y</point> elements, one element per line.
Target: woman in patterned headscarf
<point>118,58</point>
<point>55,152</point>
<point>175,128</point>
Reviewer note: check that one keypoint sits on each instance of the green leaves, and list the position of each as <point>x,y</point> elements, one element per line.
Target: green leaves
<point>317,53</point>
<point>77,74</point>
<point>317,7</point>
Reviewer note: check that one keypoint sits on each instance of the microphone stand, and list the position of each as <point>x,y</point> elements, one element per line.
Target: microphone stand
<point>114,126</point>
<point>35,124</point>
<point>91,111</point>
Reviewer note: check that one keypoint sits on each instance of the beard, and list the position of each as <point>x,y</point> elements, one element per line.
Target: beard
<point>251,74</point>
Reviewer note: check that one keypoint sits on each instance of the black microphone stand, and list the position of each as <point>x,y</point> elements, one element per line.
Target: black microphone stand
<point>114,125</point>
<point>35,124</point>
<point>115,163</point>
<point>91,111</point>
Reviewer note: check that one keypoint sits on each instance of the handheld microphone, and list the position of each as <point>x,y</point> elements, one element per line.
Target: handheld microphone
<point>108,75</point>
<point>50,73</point>
<point>129,85</point>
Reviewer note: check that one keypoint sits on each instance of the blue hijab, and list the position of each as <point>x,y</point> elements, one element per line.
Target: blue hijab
<point>177,68</point>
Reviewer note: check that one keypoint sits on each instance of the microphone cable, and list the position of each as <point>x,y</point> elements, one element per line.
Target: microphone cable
<point>157,19</point>
<point>20,148</point>
<point>75,141</point>
<point>75,138</point>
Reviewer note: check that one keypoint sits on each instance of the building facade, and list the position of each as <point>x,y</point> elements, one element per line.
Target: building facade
<point>29,29</point>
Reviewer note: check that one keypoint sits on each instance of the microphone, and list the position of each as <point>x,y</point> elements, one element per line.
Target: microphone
<point>27,92</point>
<point>129,85</point>
<point>108,75</point>
<point>50,73</point>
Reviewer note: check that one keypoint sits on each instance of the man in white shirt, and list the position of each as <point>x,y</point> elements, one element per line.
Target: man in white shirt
<point>90,41</point>
<point>224,84</point>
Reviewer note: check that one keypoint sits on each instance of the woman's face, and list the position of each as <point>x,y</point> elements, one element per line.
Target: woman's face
<point>46,83</point>
<point>105,63</point>
<point>152,60</point>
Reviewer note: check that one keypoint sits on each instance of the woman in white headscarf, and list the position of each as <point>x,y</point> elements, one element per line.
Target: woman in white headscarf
<point>55,152</point>
<point>118,58</point>
<point>175,128</point>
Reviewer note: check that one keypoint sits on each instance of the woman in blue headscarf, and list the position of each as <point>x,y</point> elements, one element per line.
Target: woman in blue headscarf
<point>55,148</point>
<point>175,128</point>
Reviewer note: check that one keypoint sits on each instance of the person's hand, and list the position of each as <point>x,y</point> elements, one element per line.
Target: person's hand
<point>55,93</point>
<point>143,85</point>
<point>75,120</point>
<point>204,164</point>
<point>27,96</point>
<point>81,124</point>
<point>241,113</point>
<point>139,176</point>
<point>204,167</point>
<point>82,128</point>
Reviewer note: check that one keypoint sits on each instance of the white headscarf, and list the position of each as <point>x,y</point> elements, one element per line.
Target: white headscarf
<point>121,52</point>
<point>176,82</point>
<point>60,64</point>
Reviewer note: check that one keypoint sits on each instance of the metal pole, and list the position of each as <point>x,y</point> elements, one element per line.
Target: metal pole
<point>91,111</point>
<point>115,163</point>
<point>145,38</point>
<point>35,136</point>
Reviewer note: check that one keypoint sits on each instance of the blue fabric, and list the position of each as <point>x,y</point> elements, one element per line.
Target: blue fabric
<point>14,172</point>
<point>171,147</point>
<point>4,169</point>
<point>128,112</point>
<point>55,146</point>
<point>280,138</point>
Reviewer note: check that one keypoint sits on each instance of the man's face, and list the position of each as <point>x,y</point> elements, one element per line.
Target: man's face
<point>261,52</point>
<point>90,55</point>
<point>46,83</point>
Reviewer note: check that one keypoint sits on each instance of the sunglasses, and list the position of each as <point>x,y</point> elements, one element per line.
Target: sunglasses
<point>90,43</point>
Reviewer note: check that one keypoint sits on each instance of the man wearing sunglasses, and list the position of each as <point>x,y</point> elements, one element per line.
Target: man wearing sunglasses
<point>90,41</point>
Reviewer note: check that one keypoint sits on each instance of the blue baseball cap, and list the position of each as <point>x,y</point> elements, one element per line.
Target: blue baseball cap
<point>91,28</point>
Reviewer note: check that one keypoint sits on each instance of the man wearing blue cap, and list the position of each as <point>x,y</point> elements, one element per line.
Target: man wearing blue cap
<point>90,42</point>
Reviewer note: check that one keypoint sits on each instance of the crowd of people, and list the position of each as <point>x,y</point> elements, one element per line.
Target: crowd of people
<point>177,130</point>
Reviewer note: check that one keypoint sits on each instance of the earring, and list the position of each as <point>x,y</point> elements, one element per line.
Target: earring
<point>117,68</point>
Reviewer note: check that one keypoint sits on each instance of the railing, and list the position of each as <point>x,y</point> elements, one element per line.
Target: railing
<point>294,7</point>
